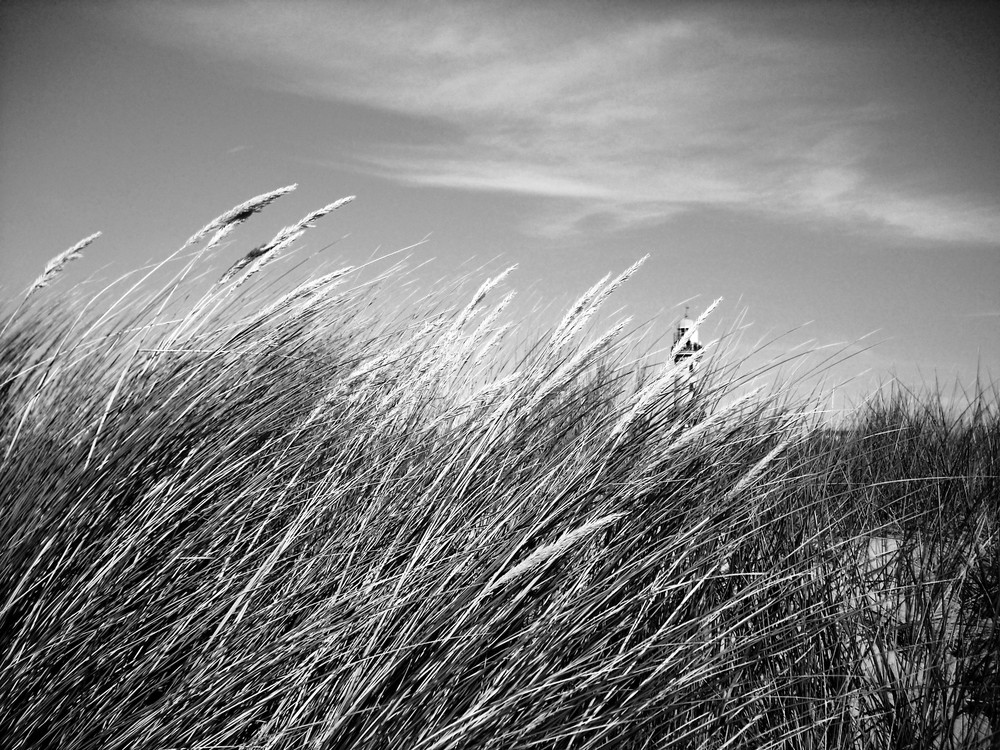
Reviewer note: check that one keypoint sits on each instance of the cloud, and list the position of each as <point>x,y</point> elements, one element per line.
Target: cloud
<point>633,116</point>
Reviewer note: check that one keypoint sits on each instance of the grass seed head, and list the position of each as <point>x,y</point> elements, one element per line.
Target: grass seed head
<point>239,214</point>
<point>58,263</point>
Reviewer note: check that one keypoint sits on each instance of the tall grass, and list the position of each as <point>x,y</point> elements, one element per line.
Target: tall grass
<point>298,518</point>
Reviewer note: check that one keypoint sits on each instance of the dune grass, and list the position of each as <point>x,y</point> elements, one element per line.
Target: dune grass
<point>244,516</point>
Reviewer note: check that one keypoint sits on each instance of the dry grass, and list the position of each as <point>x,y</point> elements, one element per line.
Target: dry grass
<point>281,518</point>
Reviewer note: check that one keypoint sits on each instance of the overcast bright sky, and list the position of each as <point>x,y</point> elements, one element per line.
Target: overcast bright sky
<point>829,162</point>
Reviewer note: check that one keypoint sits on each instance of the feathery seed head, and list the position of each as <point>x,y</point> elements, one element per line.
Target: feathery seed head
<point>490,284</point>
<point>489,321</point>
<point>307,220</point>
<point>587,305</point>
<point>266,257</point>
<point>478,297</point>
<point>549,551</point>
<point>579,306</point>
<point>56,265</point>
<point>239,214</point>
<point>281,240</point>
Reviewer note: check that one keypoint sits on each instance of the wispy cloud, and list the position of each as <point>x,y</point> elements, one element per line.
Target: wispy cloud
<point>625,119</point>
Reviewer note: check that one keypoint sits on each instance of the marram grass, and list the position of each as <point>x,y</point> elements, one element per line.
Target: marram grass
<point>293,518</point>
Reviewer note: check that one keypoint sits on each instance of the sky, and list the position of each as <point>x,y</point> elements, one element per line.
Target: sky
<point>832,170</point>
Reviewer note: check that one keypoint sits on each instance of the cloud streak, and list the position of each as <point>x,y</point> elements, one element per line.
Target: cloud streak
<point>627,119</point>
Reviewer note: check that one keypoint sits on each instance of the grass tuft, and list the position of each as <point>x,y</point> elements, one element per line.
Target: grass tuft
<point>296,516</point>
